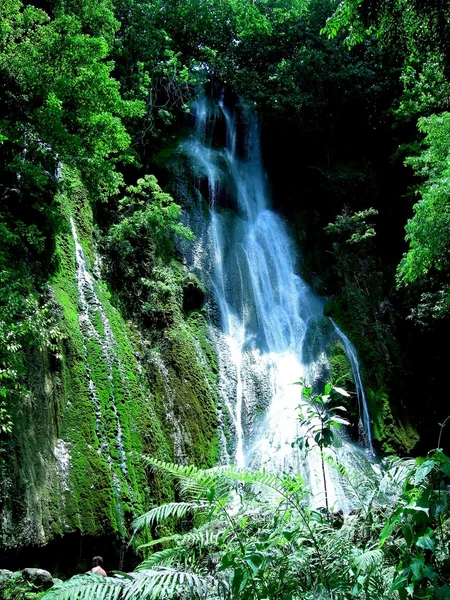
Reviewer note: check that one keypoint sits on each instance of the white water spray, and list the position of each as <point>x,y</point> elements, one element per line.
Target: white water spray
<point>265,311</point>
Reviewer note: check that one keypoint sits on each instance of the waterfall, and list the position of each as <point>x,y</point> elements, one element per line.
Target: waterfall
<point>365,426</point>
<point>264,316</point>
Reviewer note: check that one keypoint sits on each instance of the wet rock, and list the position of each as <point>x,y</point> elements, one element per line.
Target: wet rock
<point>39,577</point>
<point>193,293</point>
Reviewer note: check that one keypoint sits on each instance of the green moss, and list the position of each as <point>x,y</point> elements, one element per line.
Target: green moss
<point>354,312</point>
<point>191,382</point>
<point>106,427</point>
<point>105,406</point>
<point>395,436</point>
<point>340,366</point>
<point>163,157</point>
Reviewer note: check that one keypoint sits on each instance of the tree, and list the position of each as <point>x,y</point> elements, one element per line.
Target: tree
<point>428,232</point>
<point>139,246</point>
<point>76,109</point>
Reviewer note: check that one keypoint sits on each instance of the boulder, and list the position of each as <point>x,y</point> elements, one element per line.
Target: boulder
<point>5,573</point>
<point>38,577</point>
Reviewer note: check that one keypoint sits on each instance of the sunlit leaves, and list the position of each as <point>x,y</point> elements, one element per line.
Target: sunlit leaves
<point>77,110</point>
<point>353,228</point>
<point>428,231</point>
<point>140,245</point>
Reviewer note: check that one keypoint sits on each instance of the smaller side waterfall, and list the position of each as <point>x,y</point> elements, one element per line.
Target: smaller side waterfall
<point>97,338</point>
<point>365,424</point>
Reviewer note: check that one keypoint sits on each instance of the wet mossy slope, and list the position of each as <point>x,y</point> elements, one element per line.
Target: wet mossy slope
<point>107,397</point>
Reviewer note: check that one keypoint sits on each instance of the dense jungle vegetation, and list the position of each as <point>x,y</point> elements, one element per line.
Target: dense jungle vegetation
<point>354,104</point>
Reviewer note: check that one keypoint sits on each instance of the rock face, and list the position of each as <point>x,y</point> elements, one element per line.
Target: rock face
<point>106,395</point>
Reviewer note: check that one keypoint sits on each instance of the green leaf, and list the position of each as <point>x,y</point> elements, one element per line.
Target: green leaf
<point>389,526</point>
<point>289,535</point>
<point>341,391</point>
<point>422,504</point>
<point>423,470</point>
<point>254,560</point>
<point>426,542</point>
<point>417,566</point>
<point>307,392</point>
<point>407,534</point>
<point>227,560</point>
<point>238,579</point>
<point>445,465</point>
<point>443,593</point>
<point>399,583</point>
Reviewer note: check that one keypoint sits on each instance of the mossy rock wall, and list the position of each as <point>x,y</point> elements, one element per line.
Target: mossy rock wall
<point>73,459</point>
<point>377,349</point>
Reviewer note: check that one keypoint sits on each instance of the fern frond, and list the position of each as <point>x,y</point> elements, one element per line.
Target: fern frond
<point>368,559</point>
<point>251,477</point>
<point>192,482</point>
<point>397,472</point>
<point>201,538</point>
<point>209,478</point>
<point>152,584</point>
<point>188,471</point>
<point>87,587</point>
<point>163,558</point>
<point>161,583</point>
<point>198,537</point>
<point>168,538</point>
<point>203,485</point>
<point>171,509</point>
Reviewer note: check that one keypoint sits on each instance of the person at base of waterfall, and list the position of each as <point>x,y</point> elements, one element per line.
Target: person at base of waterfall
<point>97,563</point>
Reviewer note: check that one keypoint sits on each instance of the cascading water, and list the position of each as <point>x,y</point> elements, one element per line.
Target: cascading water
<point>266,316</point>
<point>365,427</point>
<point>90,309</point>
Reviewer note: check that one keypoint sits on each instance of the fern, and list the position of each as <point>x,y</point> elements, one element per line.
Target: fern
<point>270,545</point>
<point>88,587</point>
<point>367,560</point>
<point>162,583</point>
<point>192,482</point>
<point>162,558</point>
<point>192,478</point>
<point>165,511</point>
<point>198,538</point>
<point>176,470</point>
<point>201,538</point>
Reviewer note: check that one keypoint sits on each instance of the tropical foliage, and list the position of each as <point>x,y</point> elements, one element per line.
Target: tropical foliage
<point>428,260</point>
<point>138,247</point>
<point>320,417</point>
<point>255,536</point>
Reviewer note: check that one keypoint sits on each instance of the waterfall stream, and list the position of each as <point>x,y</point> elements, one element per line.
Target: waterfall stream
<point>91,309</point>
<point>268,324</point>
<point>365,427</point>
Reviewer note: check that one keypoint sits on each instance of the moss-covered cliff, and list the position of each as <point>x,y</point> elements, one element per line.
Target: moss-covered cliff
<point>109,394</point>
